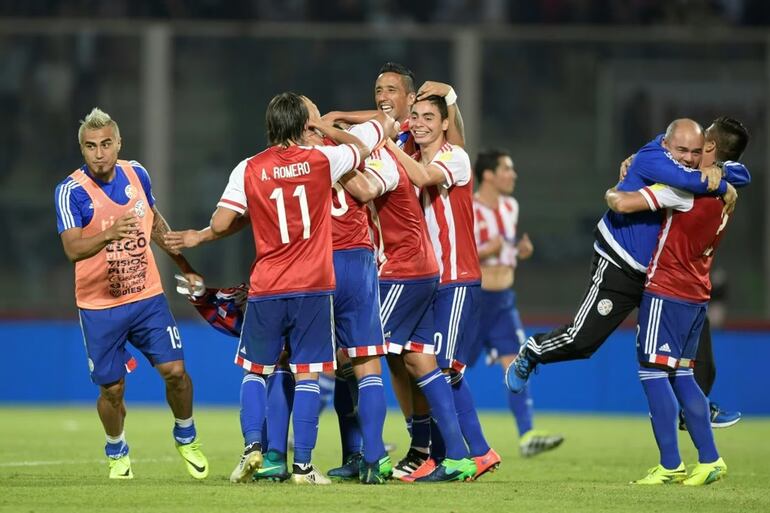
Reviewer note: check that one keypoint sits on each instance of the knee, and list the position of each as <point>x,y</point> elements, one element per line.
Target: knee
<point>113,393</point>
<point>173,373</point>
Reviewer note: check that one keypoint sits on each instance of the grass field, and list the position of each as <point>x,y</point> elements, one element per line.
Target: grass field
<point>51,460</point>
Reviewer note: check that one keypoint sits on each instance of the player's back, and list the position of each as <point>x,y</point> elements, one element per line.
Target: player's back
<point>404,248</point>
<point>682,261</point>
<point>289,205</point>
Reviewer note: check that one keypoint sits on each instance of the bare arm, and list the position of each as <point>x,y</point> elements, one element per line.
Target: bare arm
<point>491,248</point>
<point>159,228</point>
<point>625,202</point>
<point>355,117</point>
<point>419,174</point>
<point>361,186</point>
<point>193,238</point>
<point>455,134</point>
<point>77,247</point>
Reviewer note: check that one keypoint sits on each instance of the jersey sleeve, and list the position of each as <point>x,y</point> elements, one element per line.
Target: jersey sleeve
<point>234,197</point>
<point>455,165</point>
<point>68,208</point>
<point>656,165</point>
<point>370,133</point>
<point>662,196</point>
<point>144,178</point>
<point>736,174</point>
<point>342,159</point>
<point>382,166</point>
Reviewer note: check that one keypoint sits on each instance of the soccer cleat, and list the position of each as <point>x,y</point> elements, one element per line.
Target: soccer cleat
<point>308,475</point>
<point>423,470</point>
<point>197,464</point>
<point>349,469</point>
<point>659,475</point>
<point>120,468</point>
<point>721,418</point>
<point>450,470</point>
<point>273,467</point>
<point>517,373</point>
<point>486,463</point>
<point>377,472</point>
<point>409,463</point>
<point>536,442</point>
<point>707,473</point>
<point>251,460</point>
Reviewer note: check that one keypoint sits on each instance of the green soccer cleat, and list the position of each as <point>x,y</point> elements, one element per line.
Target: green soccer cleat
<point>250,461</point>
<point>707,473</point>
<point>273,467</point>
<point>536,442</point>
<point>659,475</point>
<point>197,464</point>
<point>120,468</point>
<point>377,472</point>
<point>451,470</point>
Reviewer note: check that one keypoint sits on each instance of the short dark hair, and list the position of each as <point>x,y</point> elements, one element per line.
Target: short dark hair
<point>730,136</point>
<point>487,160</point>
<point>285,118</point>
<point>406,74</point>
<point>439,102</point>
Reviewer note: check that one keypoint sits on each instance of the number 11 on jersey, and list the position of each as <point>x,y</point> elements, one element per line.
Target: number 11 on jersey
<point>283,226</point>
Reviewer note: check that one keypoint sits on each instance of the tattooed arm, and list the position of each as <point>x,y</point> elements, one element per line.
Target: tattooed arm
<point>159,228</point>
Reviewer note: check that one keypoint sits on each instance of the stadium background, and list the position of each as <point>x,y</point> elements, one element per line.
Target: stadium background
<point>571,87</point>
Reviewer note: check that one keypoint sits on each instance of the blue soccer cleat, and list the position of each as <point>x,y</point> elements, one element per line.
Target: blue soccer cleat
<point>721,418</point>
<point>517,373</point>
<point>349,469</point>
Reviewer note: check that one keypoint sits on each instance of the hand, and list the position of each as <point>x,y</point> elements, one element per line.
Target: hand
<point>125,227</point>
<point>430,88</point>
<point>713,174</point>
<point>392,127</point>
<point>190,283</point>
<point>624,167</point>
<point>729,197</point>
<point>494,246</point>
<point>525,247</point>
<point>180,240</point>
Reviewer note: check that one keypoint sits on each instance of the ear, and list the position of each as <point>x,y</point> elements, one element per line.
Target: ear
<point>709,147</point>
<point>410,98</point>
<point>445,124</point>
<point>119,144</point>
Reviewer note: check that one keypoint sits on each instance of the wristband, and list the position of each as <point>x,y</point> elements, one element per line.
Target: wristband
<point>451,97</point>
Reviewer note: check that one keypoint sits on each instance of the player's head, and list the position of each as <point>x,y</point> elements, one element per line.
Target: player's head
<point>99,139</point>
<point>684,140</point>
<point>394,90</point>
<point>428,119</point>
<point>494,168</point>
<point>286,119</point>
<point>726,139</point>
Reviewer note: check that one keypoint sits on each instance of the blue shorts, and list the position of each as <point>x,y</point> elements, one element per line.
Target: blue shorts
<point>456,311</point>
<point>147,324</point>
<point>357,303</point>
<point>668,331</point>
<point>301,325</point>
<point>501,331</point>
<point>406,310</point>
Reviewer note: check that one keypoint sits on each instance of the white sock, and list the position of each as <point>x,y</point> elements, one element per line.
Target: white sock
<point>118,439</point>
<point>184,423</point>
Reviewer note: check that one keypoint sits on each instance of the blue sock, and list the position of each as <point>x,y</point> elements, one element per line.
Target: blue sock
<point>521,406</point>
<point>350,431</point>
<point>184,431</point>
<point>421,430</point>
<point>697,415</point>
<point>326,385</point>
<point>306,398</point>
<point>371,413</point>
<point>280,401</point>
<point>664,413</point>
<point>467,416</point>
<point>116,447</point>
<point>252,422</point>
<point>437,446</point>
<point>442,409</point>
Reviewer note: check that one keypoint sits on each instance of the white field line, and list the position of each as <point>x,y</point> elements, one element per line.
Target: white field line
<point>76,462</point>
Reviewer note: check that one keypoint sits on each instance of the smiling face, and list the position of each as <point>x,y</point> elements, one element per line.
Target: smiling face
<point>391,95</point>
<point>504,177</point>
<point>426,123</point>
<point>100,149</point>
<point>684,140</point>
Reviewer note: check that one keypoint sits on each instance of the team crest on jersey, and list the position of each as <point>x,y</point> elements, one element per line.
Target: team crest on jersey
<point>374,164</point>
<point>130,191</point>
<point>90,365</point>
<point>604,307</point>
<point>445,157</point>
<point>139,208</point>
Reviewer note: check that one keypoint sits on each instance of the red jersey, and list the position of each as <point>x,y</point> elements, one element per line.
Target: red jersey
<point>403,246</point>
<point>691,231</point>
<point>286,193</point>
<point>350,217</point>
<point>497,222</point>
<point>449,214</point>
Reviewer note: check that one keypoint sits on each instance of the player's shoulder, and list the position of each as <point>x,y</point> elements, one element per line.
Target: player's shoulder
<point>511,203</point>
<point>69,183</point>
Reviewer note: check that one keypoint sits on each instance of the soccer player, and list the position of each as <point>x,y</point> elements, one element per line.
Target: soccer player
<point>443,172</point>
<point>106,217</point>
<point>673,309</point>
<point>623,247</point>
<point>501,332</point>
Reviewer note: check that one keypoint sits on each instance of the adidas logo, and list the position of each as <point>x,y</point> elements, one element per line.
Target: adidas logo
<point>243,350</point>
<point>665,348</point>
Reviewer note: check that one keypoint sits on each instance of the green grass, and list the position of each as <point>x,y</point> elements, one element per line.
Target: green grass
<point>51,460</point>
